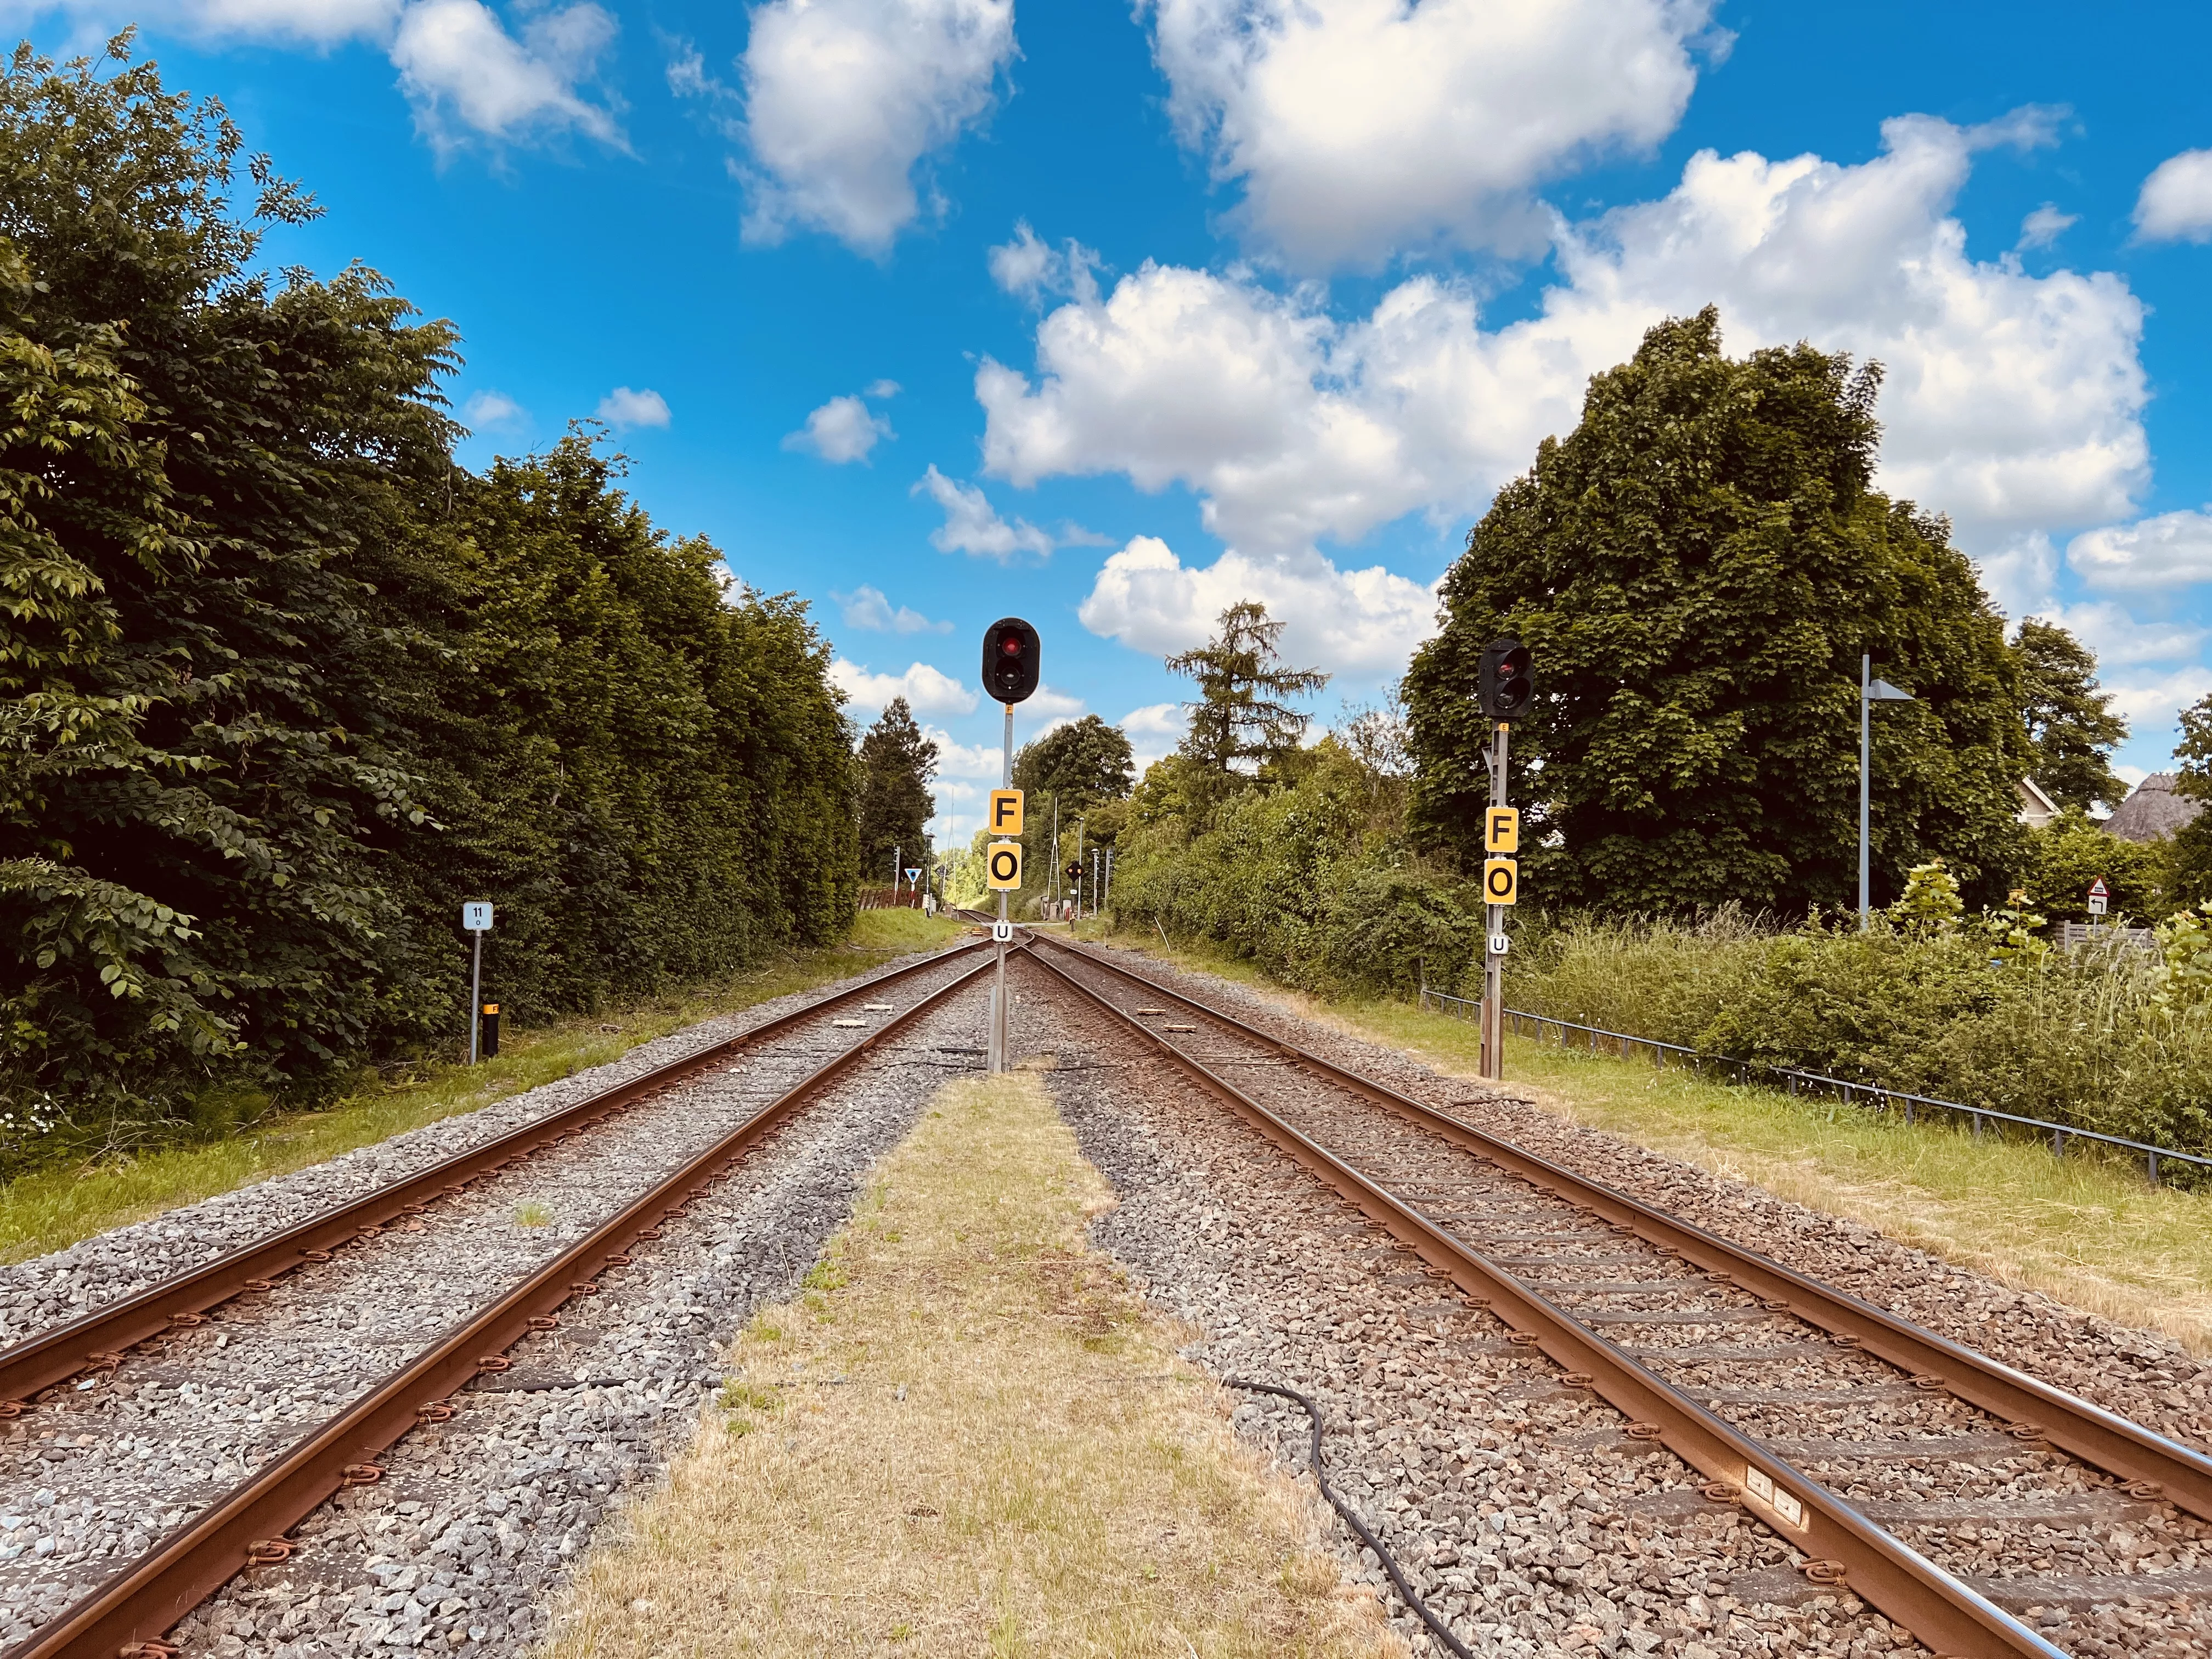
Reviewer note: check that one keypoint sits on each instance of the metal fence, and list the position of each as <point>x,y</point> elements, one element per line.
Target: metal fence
<point>1795,1082</point>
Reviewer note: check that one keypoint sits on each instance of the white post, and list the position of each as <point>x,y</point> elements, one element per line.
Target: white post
<point>998,1056</point>
<point>475,991</point>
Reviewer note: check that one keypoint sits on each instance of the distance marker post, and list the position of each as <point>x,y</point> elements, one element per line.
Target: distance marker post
<point>475,918</point>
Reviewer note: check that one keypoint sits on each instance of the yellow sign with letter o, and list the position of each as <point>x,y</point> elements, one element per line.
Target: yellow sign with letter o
<point>1006,812</point>
<point>1501,881</point>
<point>1002,864</point>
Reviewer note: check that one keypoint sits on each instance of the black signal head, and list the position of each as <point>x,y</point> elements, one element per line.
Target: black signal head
<point>1012,660</point>
<point>1507,684</point>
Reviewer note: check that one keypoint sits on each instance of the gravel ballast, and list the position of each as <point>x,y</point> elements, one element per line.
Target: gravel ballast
<point>1455,1447</point>
<point>497,1499</point>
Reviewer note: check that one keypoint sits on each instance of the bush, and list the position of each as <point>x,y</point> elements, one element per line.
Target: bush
<point>1965,1009</point>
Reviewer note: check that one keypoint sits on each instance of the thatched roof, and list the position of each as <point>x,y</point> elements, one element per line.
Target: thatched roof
<point>2155,809</point>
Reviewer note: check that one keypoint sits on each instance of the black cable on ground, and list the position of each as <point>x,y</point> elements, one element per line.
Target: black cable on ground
<point>1406,1591</point>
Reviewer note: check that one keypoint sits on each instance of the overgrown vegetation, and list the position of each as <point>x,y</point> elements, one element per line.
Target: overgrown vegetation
<point>281,686</point>
<point>1934,1002</point>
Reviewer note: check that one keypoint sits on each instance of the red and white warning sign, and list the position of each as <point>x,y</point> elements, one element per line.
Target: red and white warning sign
<point>2098,895</point>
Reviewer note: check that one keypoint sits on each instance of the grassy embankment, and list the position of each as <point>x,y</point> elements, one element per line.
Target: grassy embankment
<point>2085,1230</point>
<point>968,1436</point>
<point>48,1209</point>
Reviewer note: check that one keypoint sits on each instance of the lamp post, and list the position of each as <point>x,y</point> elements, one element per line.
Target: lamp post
<point>1871,691</point>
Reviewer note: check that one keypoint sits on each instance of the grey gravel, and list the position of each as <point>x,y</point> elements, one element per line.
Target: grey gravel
<point>509,1490</point>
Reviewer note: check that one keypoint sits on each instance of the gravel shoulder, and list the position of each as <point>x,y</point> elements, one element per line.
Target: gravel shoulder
<point>2140,1374</point>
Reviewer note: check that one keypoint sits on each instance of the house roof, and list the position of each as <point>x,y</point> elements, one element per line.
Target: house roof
<point>2156,808</point>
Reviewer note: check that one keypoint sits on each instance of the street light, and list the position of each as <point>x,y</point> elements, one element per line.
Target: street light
<point>1871,691</point>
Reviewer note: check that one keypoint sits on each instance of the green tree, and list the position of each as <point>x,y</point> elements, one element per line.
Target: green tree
<point>896,763</point>
<point>279,686</point>
<point>1696,568</point>
<point>1240,721</point>
<point>651,774</point>
<point>1082,762</point>
<point>199,773</point>
<point>2069,718</point>
<point>2065,855</point>
<point>2189,850</point>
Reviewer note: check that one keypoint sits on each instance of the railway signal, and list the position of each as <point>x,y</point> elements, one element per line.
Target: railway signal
<point>1013,661</point>
<point>1506,687</point>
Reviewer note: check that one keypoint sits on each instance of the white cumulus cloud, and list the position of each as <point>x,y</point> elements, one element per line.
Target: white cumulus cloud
<point>1359,127</point>
<point>2172,550</point>
<point>1340,620</point>
<point>843,429</point>
<point>2121,641</point>
<point>1028,267</point>
<point>2045,226</point>
<point>2012,401</point>
<point>315,22</point>
<point>625,408</point>
<point>467,70</point>
<point>843,99</point>
<point>869,608</point>
<point>972,525</point>
<point>927,690</point>
<point>2176,203</point>
<point>488,408</point>
<point>462,69</point>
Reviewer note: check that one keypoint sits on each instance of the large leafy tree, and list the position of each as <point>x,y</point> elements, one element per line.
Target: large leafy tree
<point>896,763</point>
<point>1083,762</point>
<point>2070,717</point>
<point>651,774</point>
<point>1697,568</point>
<point>279,685</point>
<point>1242,718</point>
<point>199,764</point>
<point>1072,777</point>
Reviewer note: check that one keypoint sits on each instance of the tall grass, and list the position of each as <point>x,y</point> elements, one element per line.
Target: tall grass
<point>2079,1038</point>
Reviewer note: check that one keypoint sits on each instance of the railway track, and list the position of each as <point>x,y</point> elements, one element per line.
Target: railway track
<point>210,1410</point>
<point>1946,1489</point>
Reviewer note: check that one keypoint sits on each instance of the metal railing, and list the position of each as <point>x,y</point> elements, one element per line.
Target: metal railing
<point>1881,1099</point>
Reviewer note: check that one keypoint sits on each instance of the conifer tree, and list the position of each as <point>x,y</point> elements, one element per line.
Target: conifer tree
<point>1241,720</point>
<point>2069,719</point>
<point>896,763</point>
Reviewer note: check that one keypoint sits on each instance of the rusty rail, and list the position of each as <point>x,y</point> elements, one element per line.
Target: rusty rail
<point>2097,1437</point>
<point>127,1612</point>
<point>93,1340</point>
<point>1948,1615</point>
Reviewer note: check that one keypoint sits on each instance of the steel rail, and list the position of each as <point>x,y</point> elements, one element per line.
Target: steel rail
<point>97,1341</point>
<point>248,1524</point>
<point>1950,1616</point>
<point>2101,1439</point>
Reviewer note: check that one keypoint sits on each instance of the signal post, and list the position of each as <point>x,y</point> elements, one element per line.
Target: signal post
<point>1506,688</point>
<point>1010,668</point>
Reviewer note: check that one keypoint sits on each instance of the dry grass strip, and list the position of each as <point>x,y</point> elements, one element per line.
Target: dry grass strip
<point>968,1436</point>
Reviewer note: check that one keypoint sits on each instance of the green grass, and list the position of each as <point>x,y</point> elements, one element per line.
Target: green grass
<point>2084,1230</point>
<point>48,1209</point>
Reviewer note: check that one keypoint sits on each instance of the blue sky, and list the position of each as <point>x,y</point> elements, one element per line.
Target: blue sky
<point>938,310</point>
